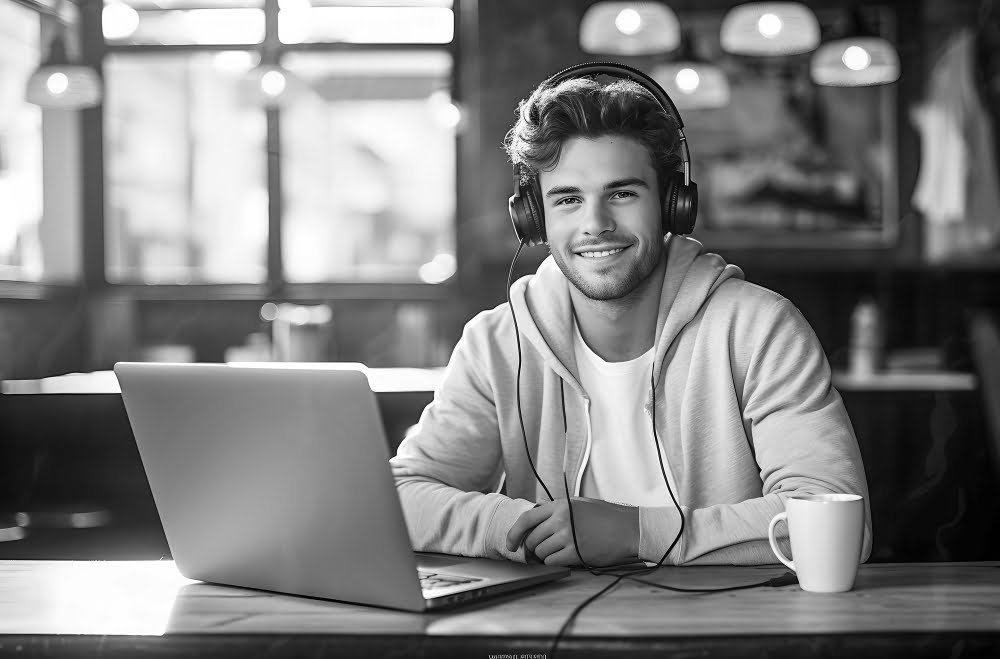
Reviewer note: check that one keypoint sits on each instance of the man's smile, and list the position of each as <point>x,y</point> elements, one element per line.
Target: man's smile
<point>600,253</point>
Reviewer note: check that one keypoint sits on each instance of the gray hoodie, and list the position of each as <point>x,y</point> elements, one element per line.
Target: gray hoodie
<point>745,413</point>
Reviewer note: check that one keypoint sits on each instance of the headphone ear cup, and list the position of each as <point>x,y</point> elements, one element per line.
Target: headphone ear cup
<point>680,205</point>
<point>535,214</point>
<point>670,204</point>
<point>686,209</point>
<point>518,217</point>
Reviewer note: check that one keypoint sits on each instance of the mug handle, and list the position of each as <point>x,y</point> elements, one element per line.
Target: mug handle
<point>774,543</point>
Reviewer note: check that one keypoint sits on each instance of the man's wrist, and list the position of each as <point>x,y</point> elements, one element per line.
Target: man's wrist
<point>632,514</point>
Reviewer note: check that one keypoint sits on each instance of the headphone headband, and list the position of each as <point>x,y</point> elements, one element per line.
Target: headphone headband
<point>616,70</point>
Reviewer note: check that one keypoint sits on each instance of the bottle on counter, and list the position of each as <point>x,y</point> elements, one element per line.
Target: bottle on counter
<point>865,353</point>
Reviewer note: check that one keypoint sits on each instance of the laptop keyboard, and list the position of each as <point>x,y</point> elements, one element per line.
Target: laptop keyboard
<point>434,580</point>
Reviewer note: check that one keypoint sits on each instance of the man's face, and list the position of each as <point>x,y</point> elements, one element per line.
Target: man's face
<point>602,215</point>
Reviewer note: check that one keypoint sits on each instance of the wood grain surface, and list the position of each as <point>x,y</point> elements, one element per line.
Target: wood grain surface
<point>152,598</point>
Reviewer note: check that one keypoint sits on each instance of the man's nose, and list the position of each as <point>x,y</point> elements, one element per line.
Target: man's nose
<point>598,219</point>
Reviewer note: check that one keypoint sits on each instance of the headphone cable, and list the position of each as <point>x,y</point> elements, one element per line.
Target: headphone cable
<point>517,336</point>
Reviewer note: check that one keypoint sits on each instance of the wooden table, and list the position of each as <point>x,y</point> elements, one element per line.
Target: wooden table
<point>126,608</point>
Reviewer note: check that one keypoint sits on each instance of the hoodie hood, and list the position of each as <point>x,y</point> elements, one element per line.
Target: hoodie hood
<point>545,311</point>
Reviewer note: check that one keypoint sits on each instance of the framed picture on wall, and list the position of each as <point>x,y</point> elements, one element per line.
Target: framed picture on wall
<point>786,162</point>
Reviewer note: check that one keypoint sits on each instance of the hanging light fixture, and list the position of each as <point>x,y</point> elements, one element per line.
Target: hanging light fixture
<point>691,81</point>
<point>629,28</point>
<point>859,58</point>
<point>769,28</point>
<point>60,83</point>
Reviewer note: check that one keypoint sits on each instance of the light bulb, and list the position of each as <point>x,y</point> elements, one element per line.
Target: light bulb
<point>856,58</point>
<point>628,21</point>
<point>272,83</point>
<point>57,83</point>
<point>687,80</point>
<point>769,26</point>
<point>445,111</point>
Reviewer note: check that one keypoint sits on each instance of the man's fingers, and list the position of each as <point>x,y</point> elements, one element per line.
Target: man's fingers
<point>550,545</point>
<point>527,521</point>
<point>565,557</point>
<point>542,531</point>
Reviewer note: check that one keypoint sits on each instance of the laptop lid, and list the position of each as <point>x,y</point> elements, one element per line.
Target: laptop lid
<point>273,479</point>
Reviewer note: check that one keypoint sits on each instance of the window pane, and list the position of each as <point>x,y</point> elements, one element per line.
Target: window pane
<point>185,170</point>
<point>21,254</point>
<point>368,168</point>
<point>304,23</point>
<point>195,26</point>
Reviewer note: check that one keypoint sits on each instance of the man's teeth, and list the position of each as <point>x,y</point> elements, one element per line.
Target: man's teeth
<point>596,255</point>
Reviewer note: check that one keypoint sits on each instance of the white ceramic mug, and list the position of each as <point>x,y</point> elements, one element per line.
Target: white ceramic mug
<point>826,532</point>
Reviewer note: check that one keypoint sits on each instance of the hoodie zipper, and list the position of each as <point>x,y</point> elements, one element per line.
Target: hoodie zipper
<point>586,450</point>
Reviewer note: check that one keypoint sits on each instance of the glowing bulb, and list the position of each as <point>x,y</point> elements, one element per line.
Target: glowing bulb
<point>687,80</point>
<point>856,58</point>
<point>450,115</point>
<point>445,111</point>
<point>769,26</point>
<point>119,21</point>
<point>268,311</point>
<point>272,83</point>
<point>57,83</point>
<point>628,21</point>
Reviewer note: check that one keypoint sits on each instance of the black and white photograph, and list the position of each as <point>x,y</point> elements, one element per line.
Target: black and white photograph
<point>499,329</point>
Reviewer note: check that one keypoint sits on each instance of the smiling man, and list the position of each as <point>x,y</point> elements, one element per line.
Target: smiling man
<point>633,375</point>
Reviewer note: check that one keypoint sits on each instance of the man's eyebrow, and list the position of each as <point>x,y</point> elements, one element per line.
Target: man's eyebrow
<point>631,181</point>
<point>562,189</point>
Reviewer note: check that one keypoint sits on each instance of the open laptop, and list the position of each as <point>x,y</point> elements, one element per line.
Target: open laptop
<point>279,479</point>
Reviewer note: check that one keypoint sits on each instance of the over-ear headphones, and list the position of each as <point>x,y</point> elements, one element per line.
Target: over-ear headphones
<point>680,202</point>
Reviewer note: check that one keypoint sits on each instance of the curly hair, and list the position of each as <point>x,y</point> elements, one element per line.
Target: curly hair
<point>584,107</point>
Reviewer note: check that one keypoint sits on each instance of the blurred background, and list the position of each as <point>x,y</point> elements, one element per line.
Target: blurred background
<point>322,181</point>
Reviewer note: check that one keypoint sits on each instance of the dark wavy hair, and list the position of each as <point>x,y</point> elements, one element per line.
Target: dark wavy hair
<point>584,107</point>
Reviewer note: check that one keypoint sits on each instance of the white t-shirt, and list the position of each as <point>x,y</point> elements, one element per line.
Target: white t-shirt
<point>623,467</point>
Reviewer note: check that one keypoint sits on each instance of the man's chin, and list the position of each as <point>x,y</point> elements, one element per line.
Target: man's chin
<point>602,290</point>
<point>614,285</point>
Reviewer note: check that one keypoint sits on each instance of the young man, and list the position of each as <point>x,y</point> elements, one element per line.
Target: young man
<point>743,413</point>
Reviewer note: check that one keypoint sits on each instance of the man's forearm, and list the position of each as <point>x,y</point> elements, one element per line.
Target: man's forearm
<point>445,519</point>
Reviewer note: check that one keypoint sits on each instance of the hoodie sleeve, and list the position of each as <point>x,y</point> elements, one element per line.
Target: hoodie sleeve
<point>448,464</point>
<point>803,442</point>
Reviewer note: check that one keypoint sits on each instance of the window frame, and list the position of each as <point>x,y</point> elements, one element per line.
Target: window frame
<point>95,49</point>
<point>22,289</point>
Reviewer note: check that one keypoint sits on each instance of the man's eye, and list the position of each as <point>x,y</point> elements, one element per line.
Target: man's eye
<point>566,200</point>
<point>623,194</point>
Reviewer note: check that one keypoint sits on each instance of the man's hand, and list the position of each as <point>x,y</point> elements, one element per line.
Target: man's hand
<point>608,533</point>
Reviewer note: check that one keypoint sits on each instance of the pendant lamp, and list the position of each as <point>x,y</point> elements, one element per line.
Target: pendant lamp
<point>60,83</point>
<point>769,28</point>
<point>629,28</point>
<point>691,81</point>
<point>858,58</point>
